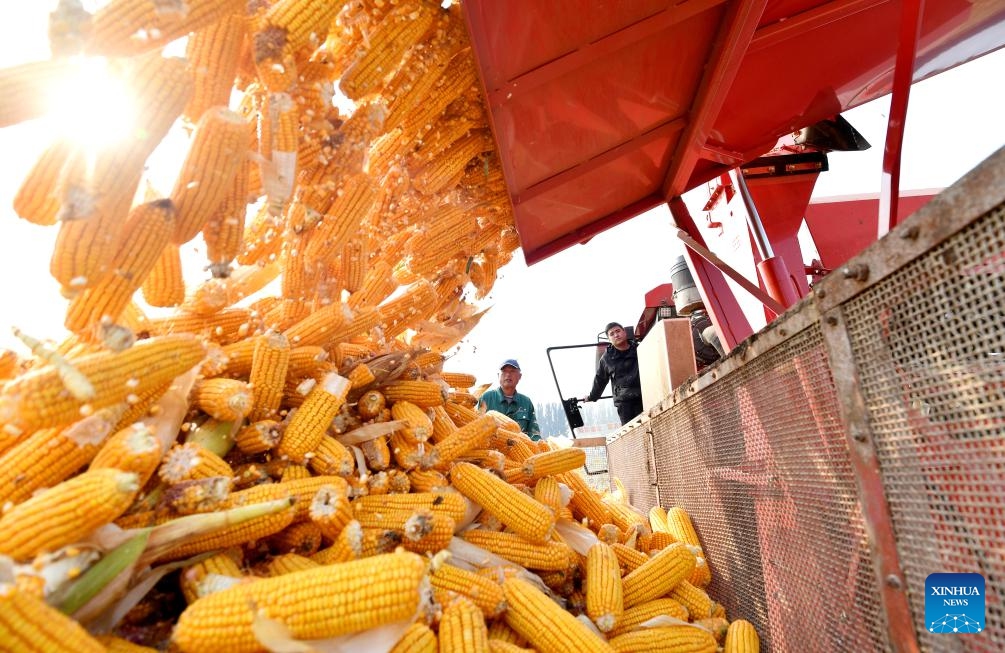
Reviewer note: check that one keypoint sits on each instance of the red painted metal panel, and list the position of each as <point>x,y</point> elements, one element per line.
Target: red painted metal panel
<point>575,85</point>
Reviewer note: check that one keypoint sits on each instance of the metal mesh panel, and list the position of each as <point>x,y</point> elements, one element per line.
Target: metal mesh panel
<point>630,461</point>
<point>930,345</point>
<point>759,460</point>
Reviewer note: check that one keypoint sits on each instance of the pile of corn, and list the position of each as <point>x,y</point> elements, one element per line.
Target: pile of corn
<point>294,470</point>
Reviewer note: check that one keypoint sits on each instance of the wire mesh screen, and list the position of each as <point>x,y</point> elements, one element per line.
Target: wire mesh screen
<point>930,346</point>
<point>759,460</point>
<point>630,462</point>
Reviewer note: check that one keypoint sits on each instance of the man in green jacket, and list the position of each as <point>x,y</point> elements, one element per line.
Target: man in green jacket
<point>506,400</point>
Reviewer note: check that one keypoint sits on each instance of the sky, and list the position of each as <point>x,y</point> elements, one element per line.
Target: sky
<point>954,122</point>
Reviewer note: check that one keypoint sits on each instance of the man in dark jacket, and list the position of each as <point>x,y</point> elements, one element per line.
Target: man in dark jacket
<point>620,366</point>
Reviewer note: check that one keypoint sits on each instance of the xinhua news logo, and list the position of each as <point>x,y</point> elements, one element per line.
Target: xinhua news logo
<point>954,603</point>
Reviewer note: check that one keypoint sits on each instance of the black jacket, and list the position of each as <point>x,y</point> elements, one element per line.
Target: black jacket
<point>621,368</point>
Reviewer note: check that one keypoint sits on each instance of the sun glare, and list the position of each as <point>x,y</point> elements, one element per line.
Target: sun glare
<point>93,108</point>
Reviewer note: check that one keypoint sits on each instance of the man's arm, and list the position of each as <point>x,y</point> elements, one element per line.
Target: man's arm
<point>600,380</point>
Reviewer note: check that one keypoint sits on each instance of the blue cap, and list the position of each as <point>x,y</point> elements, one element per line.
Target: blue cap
<point>511,362</point>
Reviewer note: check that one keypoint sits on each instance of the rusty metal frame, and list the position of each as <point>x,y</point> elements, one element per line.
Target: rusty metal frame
<point>876,514</point>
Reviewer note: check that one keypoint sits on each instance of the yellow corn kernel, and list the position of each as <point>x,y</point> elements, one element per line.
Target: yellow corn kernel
<point>219,146</point>
<point>134,448</point>
<point>486,593</point>
<point>309,423</point>
<point>270,363</point>
<point>545,625</point>
<point>604,593</point>
<point>39,399</point>
<point>66,513</point>
<point>227,400</point>
<point>27,623</point>
<point>741,637</point>
<point>462,627</point>
<point>665,638</point>
<point>417,639</point>
<point>319,603</point>
<point>191,461</point>
<point>213,52</point>
<point>165,285</point>
<point>512,507</point>
<point>659,575</point>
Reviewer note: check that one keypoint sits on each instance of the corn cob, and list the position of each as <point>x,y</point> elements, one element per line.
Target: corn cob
<point>223,232</point>
<point>66,513</point>
<point>134,449</point>
<point>196,495</point>
<point>27,623</point>
<point>295,472</point>
<point>223,563</point>
<point>697,602</point>
<point>213,52</point>
<point>499,631</point>
<point>330,509</point>
<point>354,200</point>
<point>361,376</point>
<point>471,436</point>
<point>401,28</point>
<point>128,27</point>
<point>38,400</point>
<point>313,604</point>
<point>554,462</point>
<point>633,617</point>
<point>37,199</point>
<point>604,593</point>
<point>500,646</point>
<point>659,575</point>
<point>427,480</point>
<point>302,538</point>
<point>417,639</point>
<point>235,535</point>
<point>258,437</point>
<point>223,327</point>
<point>302,491</point>
<point>540,556</point>
<point>144,236</point>
<point>631,559</point>
<point>318,328</point>
<point>741,638</point>
<point>219,146</point>
<point>546,626</point>
<point>49,456</point>
<point>686,639</point>
<point>462,627</point>
<point>424,394</point>
<point>164,285</point>
<point>227,400</point>
<point>331,457</point>
<point>308,425</point>
<point>191,461</point>
<point>446,170</point>
<point>585,503</point>
<point>518,511</point>
<point>304,23</point>
<point>270,362</point>
<point>484,592</point>
<point>347,546</point>
<point>288,563</point>
<point>679,525</point>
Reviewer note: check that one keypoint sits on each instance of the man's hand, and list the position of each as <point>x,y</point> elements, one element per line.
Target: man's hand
<point>586,400</point>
